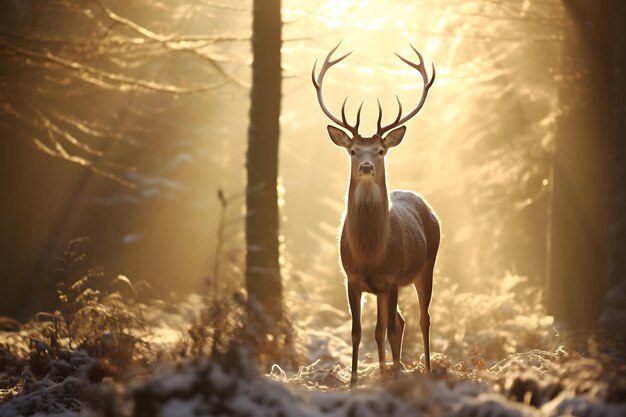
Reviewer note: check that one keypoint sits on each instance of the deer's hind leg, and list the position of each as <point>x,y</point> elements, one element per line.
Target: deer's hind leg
<point>424,289</point>
<point>395,325</point>
<point>400,323</point>
<point>382,322</point>
<point>354,299</point>
<point>381,328</point>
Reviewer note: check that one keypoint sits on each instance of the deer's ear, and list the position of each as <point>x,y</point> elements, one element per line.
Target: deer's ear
<point>395,137</point>
<point>338,136</point>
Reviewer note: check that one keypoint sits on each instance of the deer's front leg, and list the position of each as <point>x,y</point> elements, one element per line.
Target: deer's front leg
<point>354,299</point>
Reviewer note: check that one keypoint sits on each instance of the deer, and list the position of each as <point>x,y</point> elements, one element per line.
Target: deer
<point>387,239</point>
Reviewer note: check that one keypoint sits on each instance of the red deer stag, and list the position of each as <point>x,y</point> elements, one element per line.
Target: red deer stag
<point>388,240</point>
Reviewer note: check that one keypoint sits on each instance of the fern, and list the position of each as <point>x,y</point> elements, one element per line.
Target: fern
<point>74,294</point>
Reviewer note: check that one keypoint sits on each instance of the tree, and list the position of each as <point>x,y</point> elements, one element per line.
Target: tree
<point>63,59</point>
<point>581,183</point>
<point>96,94</point>
<point>613,316</point>
<point>263,280</point>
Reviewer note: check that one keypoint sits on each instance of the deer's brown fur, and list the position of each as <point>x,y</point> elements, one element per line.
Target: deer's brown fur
<point>388,240</point>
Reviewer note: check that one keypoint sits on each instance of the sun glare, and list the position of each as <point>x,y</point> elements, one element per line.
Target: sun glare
<point>234,213</point>
<point>338,13</point>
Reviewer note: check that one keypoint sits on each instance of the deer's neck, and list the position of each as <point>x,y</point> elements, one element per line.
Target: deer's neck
<point>367,220</point>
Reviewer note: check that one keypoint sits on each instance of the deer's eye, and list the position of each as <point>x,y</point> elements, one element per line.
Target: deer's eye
<point>352,152</point>
<point>381,152</point>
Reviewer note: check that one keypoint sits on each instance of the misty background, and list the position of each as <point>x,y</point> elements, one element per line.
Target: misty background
<point>125,133</point>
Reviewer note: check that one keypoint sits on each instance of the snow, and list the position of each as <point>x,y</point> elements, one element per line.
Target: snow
<point>64,414</point>
<point>501,357</point>
<point>206,388</point>
<point>176,382</point>
<point>179,408</point>
<point>219,379</point>
<point>567,403</point>
<point>46,397</point>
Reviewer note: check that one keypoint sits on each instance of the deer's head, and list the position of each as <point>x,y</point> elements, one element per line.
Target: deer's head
<point>367,153</point>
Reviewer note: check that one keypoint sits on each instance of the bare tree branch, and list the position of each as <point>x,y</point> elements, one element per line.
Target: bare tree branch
<point>191,44</point>
<point>96,76</point>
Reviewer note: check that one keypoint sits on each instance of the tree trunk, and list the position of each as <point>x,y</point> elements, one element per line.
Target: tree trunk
<point>581,183</point>
<point>263,279</point>
<point>613,318</point>
<point>618,221</point>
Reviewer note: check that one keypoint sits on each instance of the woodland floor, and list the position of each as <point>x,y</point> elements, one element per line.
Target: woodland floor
<point>495,354</point>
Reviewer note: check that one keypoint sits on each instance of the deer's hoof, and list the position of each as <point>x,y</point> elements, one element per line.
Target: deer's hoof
<point>392,371</point>
<point>385,372</point>
<point>398,367</point>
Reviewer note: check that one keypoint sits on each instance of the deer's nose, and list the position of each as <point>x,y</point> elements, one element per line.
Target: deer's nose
<point>366,168</point>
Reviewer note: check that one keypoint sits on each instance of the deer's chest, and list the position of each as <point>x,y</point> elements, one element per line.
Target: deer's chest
<point>370,283</point>
<point>371,277</point>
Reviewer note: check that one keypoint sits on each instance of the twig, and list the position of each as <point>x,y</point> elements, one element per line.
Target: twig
<point>92,75</point>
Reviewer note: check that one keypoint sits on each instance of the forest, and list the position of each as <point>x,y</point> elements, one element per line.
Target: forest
<point>182,234</point>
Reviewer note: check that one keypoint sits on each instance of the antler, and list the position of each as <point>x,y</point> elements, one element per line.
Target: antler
<point>320,98</point>
<point>427,84</point>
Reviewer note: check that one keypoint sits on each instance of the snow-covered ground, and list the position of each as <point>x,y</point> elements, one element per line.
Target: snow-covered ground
<point>495,354</point>
<point>205,388</point>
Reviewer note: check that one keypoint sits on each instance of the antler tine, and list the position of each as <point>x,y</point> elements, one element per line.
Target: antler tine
<point>317,83</point>
<point>380,115</point>
<point>358,118</point>
<point>343,111</point>
<point>427,84</point>
<point>380,129</point>
<point>353,129</point>
<point>399,109</point>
